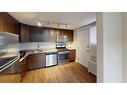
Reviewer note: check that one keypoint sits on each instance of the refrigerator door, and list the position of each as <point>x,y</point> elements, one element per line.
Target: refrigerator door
<point>7,38</point>
<point>9,54</point>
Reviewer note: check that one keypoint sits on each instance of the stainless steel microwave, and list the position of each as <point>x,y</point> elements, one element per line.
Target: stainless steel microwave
<point>62,39</point>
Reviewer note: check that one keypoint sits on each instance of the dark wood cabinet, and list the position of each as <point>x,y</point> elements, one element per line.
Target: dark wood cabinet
<point>41,60</point>
<point>25,33</point>
<point>42,34</point>
<point>9,24</point>
<point>35,34</point>
<point>36,61</point>
<point>53,35</point>
<point>33,61</point>
<point>72,55</point>
<point>45,35</point>
<point>70,34</point>
<point>24,65</point>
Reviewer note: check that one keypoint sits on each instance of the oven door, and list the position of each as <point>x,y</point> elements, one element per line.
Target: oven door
<point>63,56</point>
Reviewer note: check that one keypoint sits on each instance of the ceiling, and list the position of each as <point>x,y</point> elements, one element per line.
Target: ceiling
<point>66,20</point>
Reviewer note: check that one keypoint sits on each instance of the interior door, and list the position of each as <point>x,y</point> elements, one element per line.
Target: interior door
<point>83,47</point>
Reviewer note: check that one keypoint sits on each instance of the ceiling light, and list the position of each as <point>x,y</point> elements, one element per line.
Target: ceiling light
<point>39,24</point>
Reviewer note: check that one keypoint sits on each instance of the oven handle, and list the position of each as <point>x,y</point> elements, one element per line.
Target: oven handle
<point>63,52</point>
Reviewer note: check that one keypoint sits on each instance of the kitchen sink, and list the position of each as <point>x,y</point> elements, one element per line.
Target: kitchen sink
<point>37,51</point>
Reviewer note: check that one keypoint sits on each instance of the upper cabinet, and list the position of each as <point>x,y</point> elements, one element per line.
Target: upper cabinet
<point>9,24</point>
<point>45,35</point>
<point>68,33</point>
<point>53,35</point>
<point>25,33</point>
<point>41,34</point>
<point>35,34</point>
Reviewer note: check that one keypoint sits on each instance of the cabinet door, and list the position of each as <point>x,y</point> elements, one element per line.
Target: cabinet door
<point>9,24</point>
<point>35,34</point>
<point>53,35</point>
<point>25,33</point>
<point>70,35</point>
<point>72,55</point>
<point>45,35</point>
<point>41,60</point>
<point>36,61</point>
<point>33,63</point>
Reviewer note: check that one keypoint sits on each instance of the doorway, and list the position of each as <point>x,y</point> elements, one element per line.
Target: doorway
<point>86,43</point>
<point>82,47</point>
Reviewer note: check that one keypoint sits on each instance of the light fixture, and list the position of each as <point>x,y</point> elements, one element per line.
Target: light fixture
<point>39,23</point>
<point>59,25</point>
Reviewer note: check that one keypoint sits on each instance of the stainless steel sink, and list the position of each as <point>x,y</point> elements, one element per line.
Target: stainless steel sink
<point>37,51</point>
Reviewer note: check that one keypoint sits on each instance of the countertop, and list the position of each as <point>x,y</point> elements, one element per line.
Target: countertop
<point>35,51</point>
<point>28,52</point>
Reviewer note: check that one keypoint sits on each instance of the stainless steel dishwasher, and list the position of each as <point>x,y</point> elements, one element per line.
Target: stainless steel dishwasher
<point>51,59</point>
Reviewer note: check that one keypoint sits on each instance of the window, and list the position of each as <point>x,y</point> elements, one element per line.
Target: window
<point>93,35</point>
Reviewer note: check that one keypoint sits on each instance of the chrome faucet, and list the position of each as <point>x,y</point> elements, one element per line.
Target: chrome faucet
<point>38,46</point>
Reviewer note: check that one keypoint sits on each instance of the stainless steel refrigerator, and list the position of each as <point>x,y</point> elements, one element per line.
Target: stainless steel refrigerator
<point>9,54</point>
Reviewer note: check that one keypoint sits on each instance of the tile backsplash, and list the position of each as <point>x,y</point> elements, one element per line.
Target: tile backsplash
<point>32,45</point>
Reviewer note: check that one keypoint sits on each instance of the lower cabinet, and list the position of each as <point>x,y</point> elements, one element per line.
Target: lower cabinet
<point>36,61</point>
<point>31,62</point>
<point>24,64</point>
<point>72,55</point>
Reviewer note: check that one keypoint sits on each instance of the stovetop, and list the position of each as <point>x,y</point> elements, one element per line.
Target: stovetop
<point>62,49</point>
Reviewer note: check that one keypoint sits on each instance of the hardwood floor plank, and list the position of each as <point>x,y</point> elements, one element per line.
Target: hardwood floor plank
<point>68,73</point>
<point>12,78</point>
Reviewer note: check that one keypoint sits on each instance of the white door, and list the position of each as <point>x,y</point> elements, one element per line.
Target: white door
<point>82,47</point>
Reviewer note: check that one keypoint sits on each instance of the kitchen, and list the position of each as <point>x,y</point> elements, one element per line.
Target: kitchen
<point>36,50</point>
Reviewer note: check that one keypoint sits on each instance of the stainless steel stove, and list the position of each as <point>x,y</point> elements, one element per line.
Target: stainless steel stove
<point>63,53</point>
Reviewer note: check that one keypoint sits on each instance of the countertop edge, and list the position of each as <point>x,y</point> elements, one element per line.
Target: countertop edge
<point>10,63</point>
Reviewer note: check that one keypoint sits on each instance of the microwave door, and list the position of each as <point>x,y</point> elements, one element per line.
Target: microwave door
<point>62,39</point>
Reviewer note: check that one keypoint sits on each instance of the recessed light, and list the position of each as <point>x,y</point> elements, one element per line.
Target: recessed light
<point>39,24</point>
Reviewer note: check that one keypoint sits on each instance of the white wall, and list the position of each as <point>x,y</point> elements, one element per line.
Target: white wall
<point>124,47</point>
<point>109,47</point>
<point>100,71</point>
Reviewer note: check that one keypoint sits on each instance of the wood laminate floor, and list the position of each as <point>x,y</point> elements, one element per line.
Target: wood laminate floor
<point>11,78</point>
<point>67,73</point>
